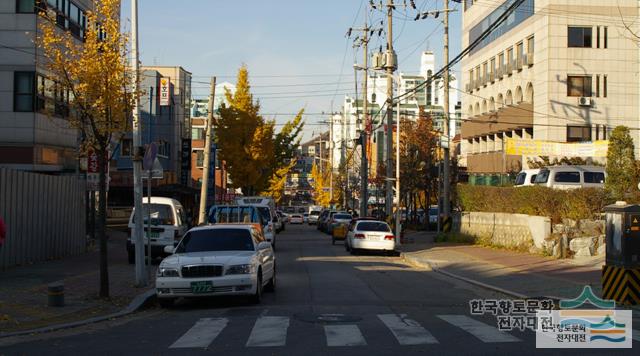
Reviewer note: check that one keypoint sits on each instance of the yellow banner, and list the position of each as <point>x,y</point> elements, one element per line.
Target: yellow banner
<point>521,147</point>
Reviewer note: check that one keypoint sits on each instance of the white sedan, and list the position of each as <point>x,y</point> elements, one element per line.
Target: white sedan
<point>213,260</point>
<point>370,235</point>
<point>296,219</point>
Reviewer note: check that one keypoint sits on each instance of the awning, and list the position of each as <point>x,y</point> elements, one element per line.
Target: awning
<point>507,118</point>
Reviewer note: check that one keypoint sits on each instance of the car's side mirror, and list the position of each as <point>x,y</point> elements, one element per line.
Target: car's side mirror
<point>264,245</point>
<point>169,249</point>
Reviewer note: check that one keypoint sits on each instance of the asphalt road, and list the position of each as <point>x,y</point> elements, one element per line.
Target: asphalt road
<point>326,302</point>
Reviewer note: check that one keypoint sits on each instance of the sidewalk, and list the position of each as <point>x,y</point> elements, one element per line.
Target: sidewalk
<point>521,273</point>
<point>23,290</point>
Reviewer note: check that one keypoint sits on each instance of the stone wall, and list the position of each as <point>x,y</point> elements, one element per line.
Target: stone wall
<point>503,229</point>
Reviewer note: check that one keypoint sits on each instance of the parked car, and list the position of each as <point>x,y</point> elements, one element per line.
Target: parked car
<point>433,214</point>
<point>526,177</point>
<point>322,219</point>
<point>226,259</point>
<point>168,223</point>
<point>305,218</point>
<point>313,217</point>
<point>338,219</point>
<point>283,219</point>
<point>296,219</point>
<point>370,235</point>
<point>571,177</point>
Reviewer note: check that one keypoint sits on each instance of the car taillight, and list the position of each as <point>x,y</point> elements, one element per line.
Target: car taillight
<point>389,237</point>
<point>358,236</point>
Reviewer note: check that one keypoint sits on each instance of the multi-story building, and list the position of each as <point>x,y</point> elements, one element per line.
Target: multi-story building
<point>34,129</point>
<point>159,124</point>
<point>555,71</point>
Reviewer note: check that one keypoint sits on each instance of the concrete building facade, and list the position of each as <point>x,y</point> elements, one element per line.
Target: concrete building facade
<point>554,71</point>
<point>34,129</point>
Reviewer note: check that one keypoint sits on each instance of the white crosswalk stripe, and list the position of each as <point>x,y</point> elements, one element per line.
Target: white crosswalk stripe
<point>201,334</point>
<point>269,331</point>
<point>407,331</point>
<point>344,335</point>
<point>484,332</point>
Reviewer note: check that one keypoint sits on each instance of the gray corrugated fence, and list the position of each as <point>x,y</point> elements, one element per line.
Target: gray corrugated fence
<point>44,215</point>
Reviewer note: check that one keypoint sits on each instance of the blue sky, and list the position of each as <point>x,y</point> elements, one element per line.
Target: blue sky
<point>295,50</point>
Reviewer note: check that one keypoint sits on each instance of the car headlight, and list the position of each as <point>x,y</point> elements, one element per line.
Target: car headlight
<point>240,269</point>
<point>167,272</point>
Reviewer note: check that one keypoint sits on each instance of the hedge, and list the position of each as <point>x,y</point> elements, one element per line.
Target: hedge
<point>576,204</point>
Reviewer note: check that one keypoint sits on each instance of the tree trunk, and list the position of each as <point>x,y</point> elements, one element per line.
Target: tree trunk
<point>102,226</point>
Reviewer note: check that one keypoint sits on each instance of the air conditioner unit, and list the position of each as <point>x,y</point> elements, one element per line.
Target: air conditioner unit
<point>584,101</point>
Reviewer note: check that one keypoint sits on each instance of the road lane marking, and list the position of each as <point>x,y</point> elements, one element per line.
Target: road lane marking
<point>407,331</point>
<point>201,334</point>
<point>482,331</point>
<point>269,331</point>
<point>344,335</point>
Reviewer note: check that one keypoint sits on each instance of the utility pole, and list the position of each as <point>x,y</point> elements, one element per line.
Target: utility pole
<point>141,276</point>
<point>390,65</point>
<point>446,169</point>
<point>207,152</point>
<point>364,166</point>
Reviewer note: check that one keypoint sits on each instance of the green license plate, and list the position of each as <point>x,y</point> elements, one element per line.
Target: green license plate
<point>202,287</point>
<point>154,234</point>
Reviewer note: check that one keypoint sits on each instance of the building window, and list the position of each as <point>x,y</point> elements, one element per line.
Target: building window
<point>530,45</point>
<point>197,134</point>
<point>25,6</point>
<point>579,36</point>
<point>485,74</point>
<point>597,36</point>
<point>579,85</point>
<point>604,86</point>
<point>69,16</point>
<point>23,91</point>
<point>606,37</point>
<point>492,68</point>
<point>126,147</point>
<point>597,85</point>
<point>519,55</point>
<point>164,149</point>
<point>501,64</point>
<point>578,133</point>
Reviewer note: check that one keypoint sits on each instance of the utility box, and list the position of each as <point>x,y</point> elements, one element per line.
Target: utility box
<point>621,272</point>
<point>623,235</point>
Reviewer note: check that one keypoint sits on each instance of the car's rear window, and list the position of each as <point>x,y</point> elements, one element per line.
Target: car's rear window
<point>233,214</point>
<point>216,240</point>
<point>161,214</point>
<point>342,217</point>
<point>520,178</point>
<point>266,214</point>
<point>373,226</point>
<point>315,213</point>
<point>593,177</point>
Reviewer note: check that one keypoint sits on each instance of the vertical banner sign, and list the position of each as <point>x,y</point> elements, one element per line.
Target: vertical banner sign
<point>185,164</point>
<point>164,91</point>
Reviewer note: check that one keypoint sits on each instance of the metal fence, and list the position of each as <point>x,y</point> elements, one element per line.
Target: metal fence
<point>44,215</point>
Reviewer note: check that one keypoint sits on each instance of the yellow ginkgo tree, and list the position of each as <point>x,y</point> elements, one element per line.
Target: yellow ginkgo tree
<point>320,182</point>
<point>96,73</point>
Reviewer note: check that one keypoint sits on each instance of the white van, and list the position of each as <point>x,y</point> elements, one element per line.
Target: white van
<point>571,177</point>
<point>267,207</point>
<point>168,223</point>
<point>526,177</point>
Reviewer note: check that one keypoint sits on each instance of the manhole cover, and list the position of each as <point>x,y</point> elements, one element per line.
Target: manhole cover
<point>327,318</point>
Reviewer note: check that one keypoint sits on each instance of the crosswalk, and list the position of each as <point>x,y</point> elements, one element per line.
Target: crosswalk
<point>271,331</point>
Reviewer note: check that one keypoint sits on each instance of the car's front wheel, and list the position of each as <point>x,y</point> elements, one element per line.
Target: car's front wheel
<point>257,297</point>
<point>271,286</point>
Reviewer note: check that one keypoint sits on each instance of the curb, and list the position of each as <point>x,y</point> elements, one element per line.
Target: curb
<point>433,267</point>
<point>136,304</point>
